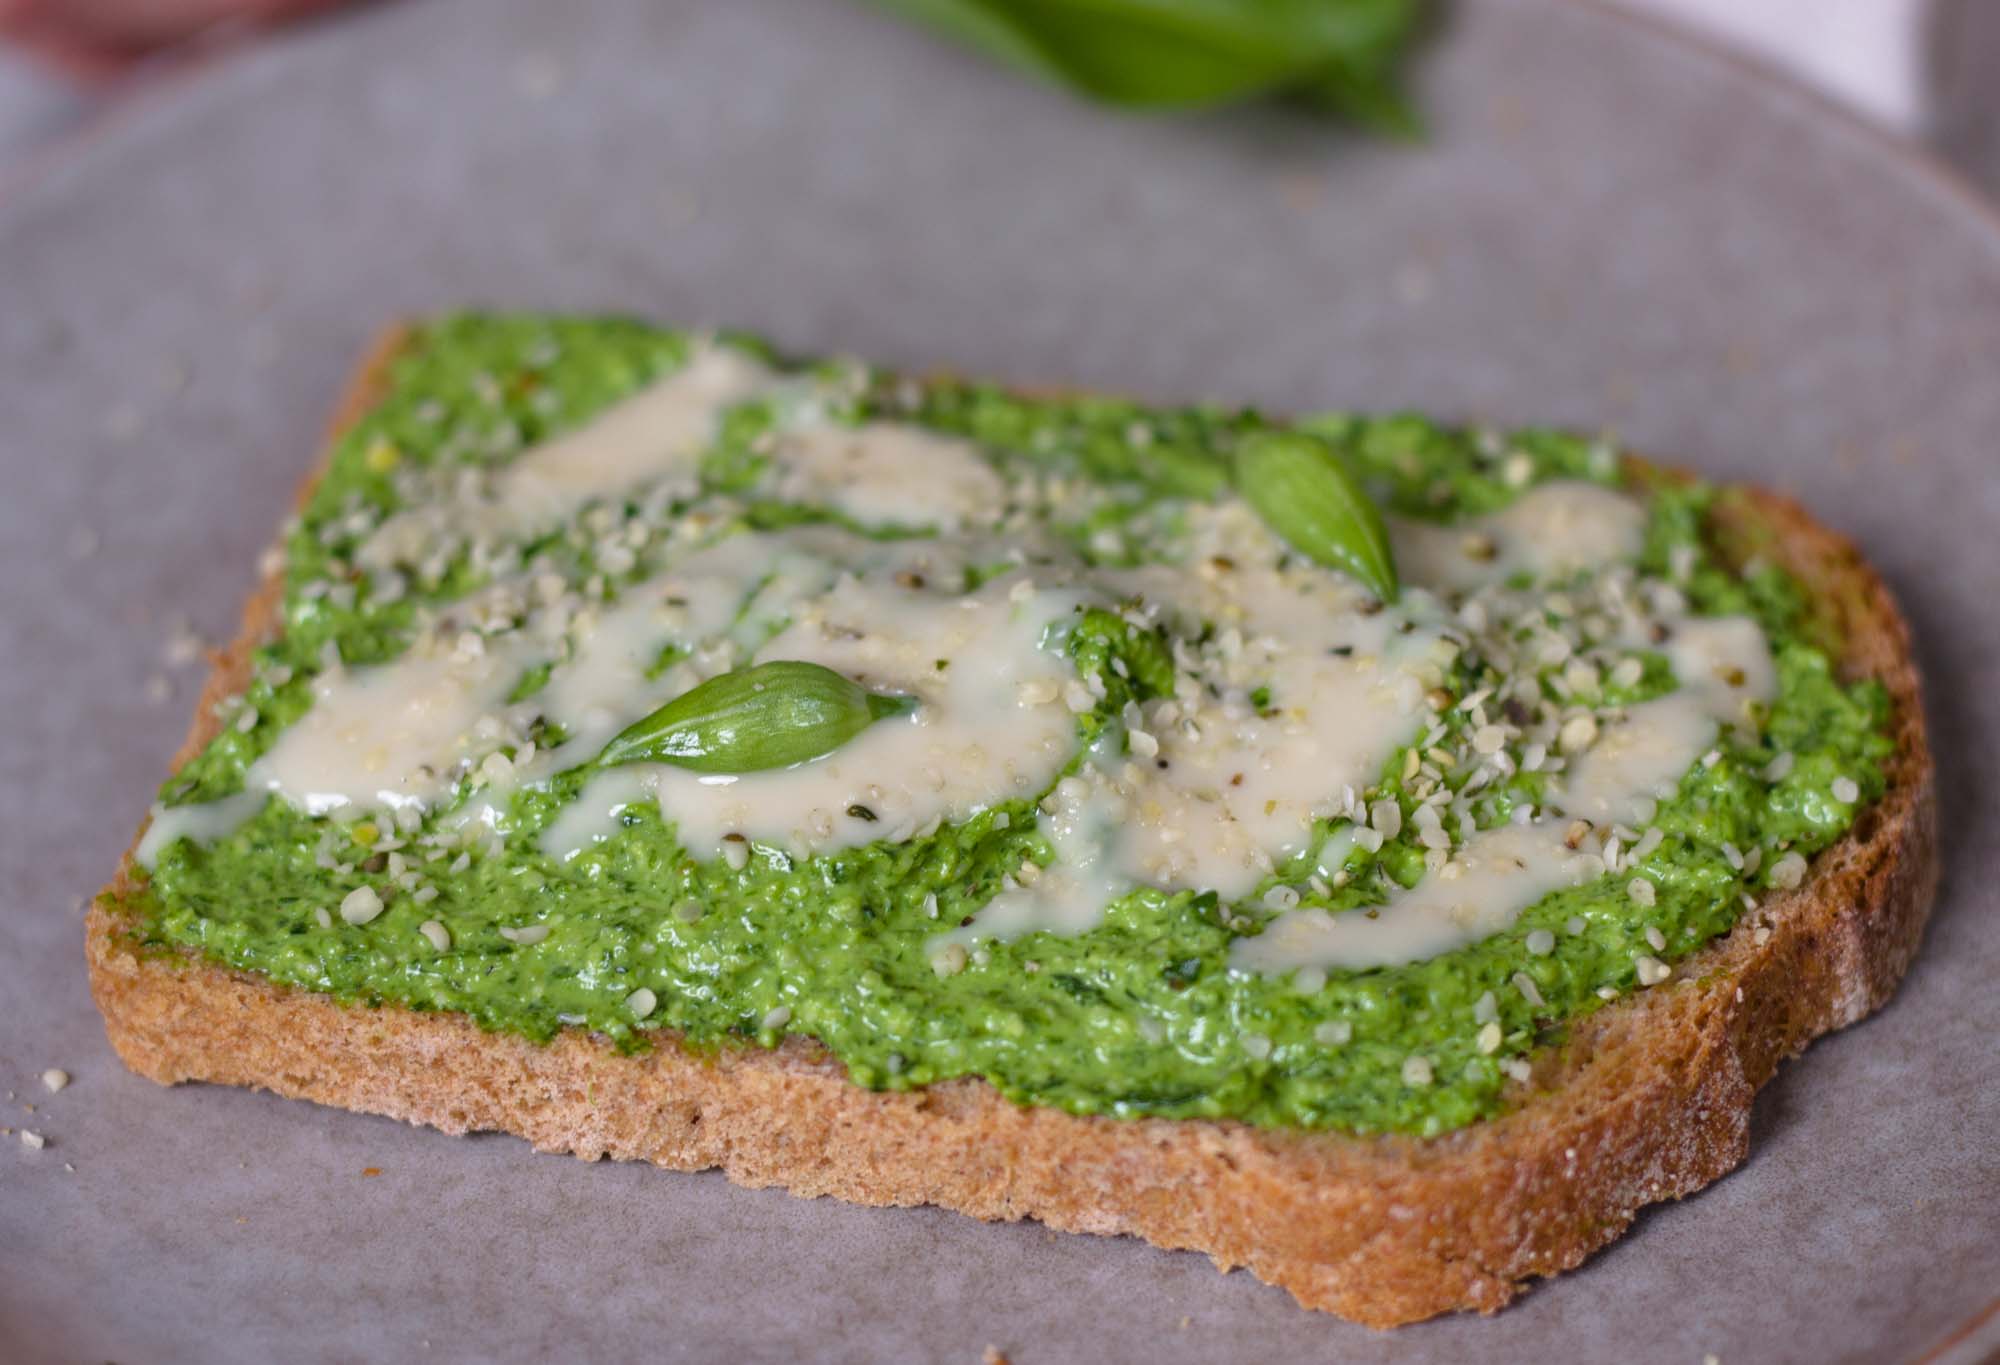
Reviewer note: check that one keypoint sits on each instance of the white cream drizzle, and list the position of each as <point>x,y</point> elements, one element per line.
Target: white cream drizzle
<point>885,474</point>
<point>1551,531</point>
<point>985,733</point>
<point>404,733</point>
<point>388,736</point>
<point>653,435</point>
<point>1240,789</point>
<point>1722,666</point>
<point>204,822</point>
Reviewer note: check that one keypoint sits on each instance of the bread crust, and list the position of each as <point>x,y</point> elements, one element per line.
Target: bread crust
<point>1648,1099</point>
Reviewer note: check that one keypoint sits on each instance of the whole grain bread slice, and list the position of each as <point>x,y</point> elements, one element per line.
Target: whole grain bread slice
<point>1647,1099</point>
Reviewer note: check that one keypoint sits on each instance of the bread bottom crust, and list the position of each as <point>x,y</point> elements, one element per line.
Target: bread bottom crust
<point>1647,1099</point>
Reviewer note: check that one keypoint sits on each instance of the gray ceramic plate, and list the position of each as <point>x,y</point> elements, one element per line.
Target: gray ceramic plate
<point>1608,228</point>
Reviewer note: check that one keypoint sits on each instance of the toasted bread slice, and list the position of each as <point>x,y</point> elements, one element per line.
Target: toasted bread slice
<point>1645,1100</point>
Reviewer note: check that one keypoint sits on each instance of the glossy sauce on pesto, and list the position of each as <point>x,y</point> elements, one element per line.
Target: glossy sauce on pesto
<point>1123,860</point>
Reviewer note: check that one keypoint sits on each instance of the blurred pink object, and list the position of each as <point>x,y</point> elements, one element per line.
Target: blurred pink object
<point>92,40</point>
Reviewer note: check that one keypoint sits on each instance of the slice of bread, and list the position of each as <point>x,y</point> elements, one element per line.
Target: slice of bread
<point>1645,1100</point>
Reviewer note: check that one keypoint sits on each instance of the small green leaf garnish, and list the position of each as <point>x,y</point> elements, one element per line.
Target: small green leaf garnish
<point>774,715</point>
<point>1305,493</point>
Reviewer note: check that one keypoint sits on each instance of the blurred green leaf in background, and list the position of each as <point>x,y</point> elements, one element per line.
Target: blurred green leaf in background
<point>1344,56</point>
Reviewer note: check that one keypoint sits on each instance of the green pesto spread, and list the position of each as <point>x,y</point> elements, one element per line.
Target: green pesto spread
<point>1140,1014</point>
